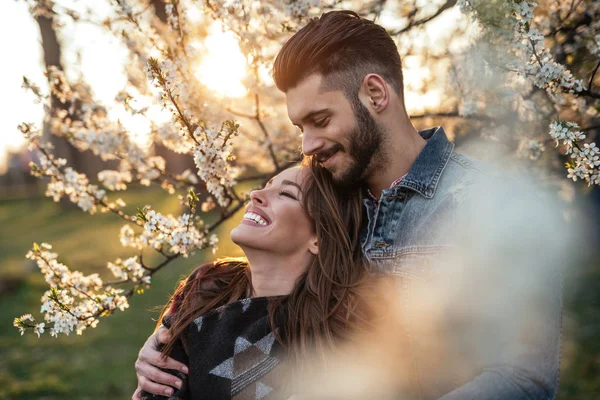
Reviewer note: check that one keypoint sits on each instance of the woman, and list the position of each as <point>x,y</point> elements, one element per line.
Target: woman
<point>233,321</point>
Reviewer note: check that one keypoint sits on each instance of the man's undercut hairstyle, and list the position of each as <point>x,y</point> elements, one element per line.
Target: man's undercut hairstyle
<point>343,48</point>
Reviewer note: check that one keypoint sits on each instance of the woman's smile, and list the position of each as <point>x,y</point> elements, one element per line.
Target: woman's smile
<point>251,218</point>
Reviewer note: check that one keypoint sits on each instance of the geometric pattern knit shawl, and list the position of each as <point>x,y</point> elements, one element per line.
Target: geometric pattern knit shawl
<point>231,353</point>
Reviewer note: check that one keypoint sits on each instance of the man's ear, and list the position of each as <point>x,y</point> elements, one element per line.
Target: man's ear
<point>374,93</point>
<point>313,245</point>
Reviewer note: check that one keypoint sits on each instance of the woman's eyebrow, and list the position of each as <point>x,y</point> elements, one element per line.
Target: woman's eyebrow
<point>287,182</point>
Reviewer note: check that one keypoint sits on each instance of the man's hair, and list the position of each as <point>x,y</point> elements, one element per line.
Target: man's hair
<point>343,48</point>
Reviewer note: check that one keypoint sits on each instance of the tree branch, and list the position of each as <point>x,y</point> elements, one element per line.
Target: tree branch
<point>447,5</point>
<point>562,22</point>
<point>256,117</point>
<point>588,93</point>
<point>263,128</point>
<point>591,81</point>
<point>590,128</point>
<point>452,114</point>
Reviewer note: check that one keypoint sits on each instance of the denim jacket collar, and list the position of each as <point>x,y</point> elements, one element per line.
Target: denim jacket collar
<point>427,169</point>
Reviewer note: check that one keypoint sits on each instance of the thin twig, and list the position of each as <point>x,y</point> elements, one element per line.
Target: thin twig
<point>263,128</point>
<point>591,81</point>
<point>448,4</point>
<point>453,114</point>
<point>590,128</point>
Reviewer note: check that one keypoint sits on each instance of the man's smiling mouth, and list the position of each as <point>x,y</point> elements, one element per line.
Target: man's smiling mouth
<point>323,156</point>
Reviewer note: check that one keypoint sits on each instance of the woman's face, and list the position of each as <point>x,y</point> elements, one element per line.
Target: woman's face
<point>275,220</point>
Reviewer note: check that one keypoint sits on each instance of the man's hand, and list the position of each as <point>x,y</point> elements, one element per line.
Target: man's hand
<point>150,378</point>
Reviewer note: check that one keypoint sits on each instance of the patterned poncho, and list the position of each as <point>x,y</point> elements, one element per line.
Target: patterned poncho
<point>231,352</point>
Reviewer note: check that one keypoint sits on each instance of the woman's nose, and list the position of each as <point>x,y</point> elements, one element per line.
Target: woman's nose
<point>258,197</point>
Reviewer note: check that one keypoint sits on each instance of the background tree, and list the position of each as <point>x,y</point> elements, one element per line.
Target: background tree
<point>520,76</point>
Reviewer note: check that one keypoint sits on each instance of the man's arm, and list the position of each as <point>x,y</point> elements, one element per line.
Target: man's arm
<point>147,366</point>
<point>151,378</point>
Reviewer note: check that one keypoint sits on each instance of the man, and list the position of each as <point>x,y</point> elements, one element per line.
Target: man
<point>343,82</point>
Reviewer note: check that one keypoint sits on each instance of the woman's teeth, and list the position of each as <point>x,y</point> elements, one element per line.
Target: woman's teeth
<point>255,218</point>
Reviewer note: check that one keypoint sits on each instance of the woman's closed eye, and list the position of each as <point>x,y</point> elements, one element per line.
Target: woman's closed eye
<point>287,194</point>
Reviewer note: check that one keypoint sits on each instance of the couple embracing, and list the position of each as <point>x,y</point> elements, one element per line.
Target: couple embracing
<point>373,197</point>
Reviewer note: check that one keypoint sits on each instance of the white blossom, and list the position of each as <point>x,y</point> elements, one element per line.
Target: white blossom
<point>39,329</point>
<point>129,269</point>
<point>114,180</point>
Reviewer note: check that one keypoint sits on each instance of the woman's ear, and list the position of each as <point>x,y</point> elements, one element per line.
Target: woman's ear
<point>313,245</point>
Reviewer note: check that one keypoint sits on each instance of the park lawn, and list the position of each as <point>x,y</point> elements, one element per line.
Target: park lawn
<point>99,364</point>
<point>580,368</point>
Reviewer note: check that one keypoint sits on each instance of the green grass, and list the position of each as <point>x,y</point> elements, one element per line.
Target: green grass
<point>99,364</point>
<point>580,375</point>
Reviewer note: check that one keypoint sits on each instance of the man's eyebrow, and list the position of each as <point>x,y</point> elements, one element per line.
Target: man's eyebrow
<point>286,182</point>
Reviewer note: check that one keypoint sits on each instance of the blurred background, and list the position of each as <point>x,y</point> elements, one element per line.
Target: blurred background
<point>431,37</point>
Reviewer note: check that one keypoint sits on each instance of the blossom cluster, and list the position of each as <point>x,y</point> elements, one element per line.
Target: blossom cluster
<point>585,161</point>
<point>212,157</point>
<point>509,23</point>
<point>74,301</point>
<point>87,127</point>
<point>64,181</point>
<point>514,26</point>
<point>179,236</point>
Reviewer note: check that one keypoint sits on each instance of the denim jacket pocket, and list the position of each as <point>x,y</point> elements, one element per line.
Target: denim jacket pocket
<point>410,262</point>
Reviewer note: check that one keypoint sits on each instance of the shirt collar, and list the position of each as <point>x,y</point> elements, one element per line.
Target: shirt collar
<point>393,185</point>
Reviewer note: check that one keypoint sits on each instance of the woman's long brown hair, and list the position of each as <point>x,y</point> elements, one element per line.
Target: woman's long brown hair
<point>324,301</point>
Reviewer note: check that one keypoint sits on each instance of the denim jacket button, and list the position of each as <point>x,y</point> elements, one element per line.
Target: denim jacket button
<point>381,245</point>
<point>399,196</point>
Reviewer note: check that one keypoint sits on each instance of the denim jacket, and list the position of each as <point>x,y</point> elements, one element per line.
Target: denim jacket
<point>408,231</point>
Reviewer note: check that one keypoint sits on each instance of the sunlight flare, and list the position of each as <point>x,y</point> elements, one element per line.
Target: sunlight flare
<point>223,67</point>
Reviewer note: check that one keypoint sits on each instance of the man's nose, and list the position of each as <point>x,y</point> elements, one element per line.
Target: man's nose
<point>311,144</point>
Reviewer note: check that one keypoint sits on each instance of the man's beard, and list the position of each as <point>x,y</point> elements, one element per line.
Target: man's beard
<point>365,145</point>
